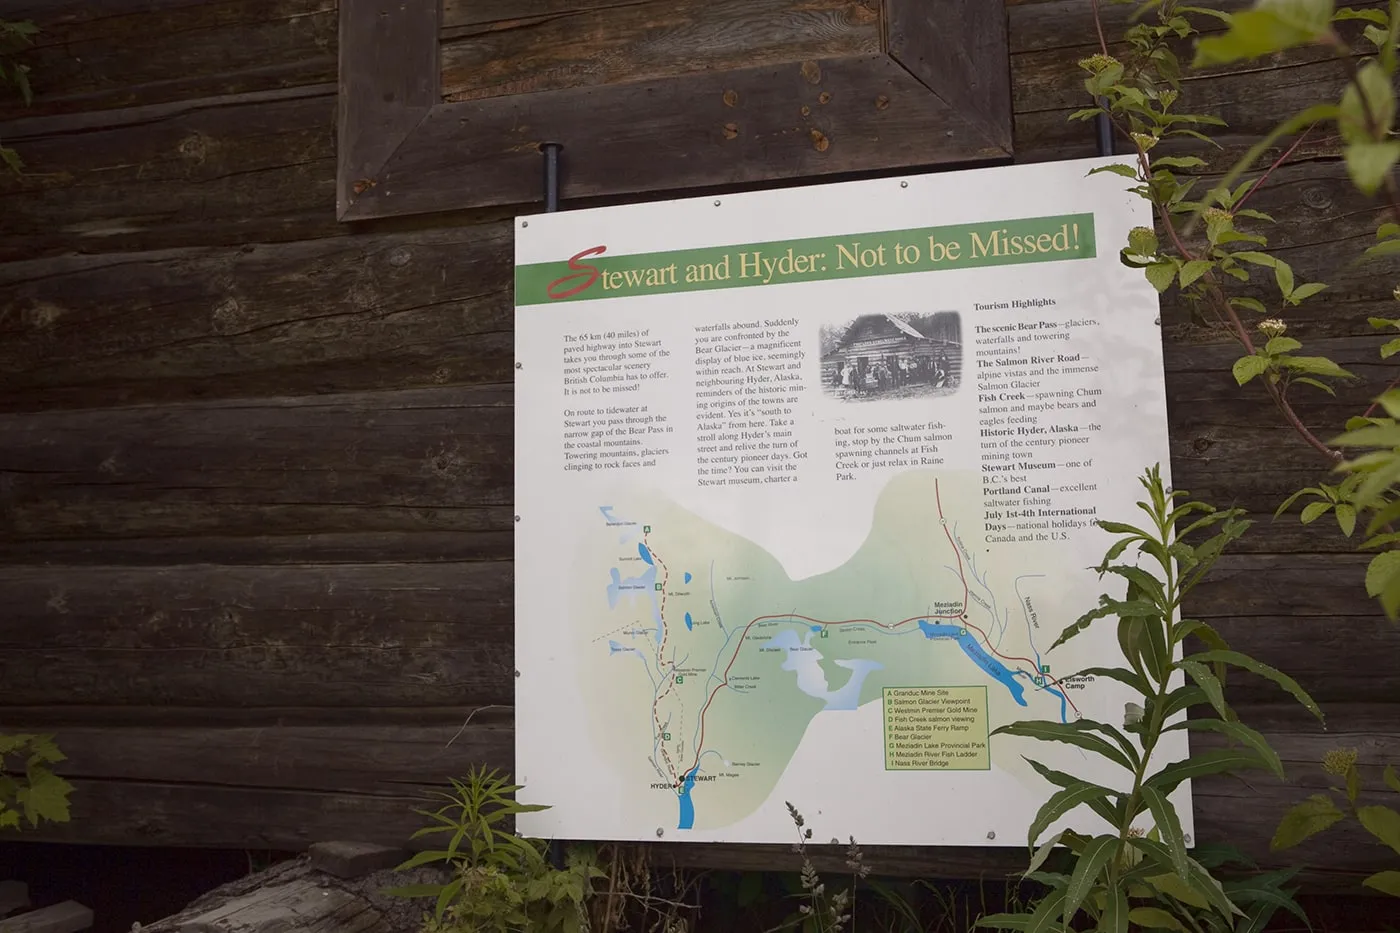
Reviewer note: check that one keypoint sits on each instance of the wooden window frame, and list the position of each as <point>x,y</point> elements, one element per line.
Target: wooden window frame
<point>940,95</point>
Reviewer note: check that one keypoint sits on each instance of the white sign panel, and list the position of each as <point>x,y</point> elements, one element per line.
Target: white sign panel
<point>806,482</point>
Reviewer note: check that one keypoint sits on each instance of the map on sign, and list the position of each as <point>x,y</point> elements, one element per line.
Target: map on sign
<point>709,662</point>
<point>806,484</point>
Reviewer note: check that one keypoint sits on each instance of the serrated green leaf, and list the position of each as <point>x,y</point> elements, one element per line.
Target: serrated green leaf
<point>1307,290</point>
<point>1383,823</point>
<point>45,797</point>
<point>1247,367</point>
<point>1200,764</point>
<point>1062,802</point>
<point>1114,918</point>
<point>1383,570</point>
<point>1193,270</point>
<point>1210,685</point>
<point>1346,518</point>
<point>1272,26</point>
<point>1169,827</point>
<point>1076,734</point>
<point>1313,511</point>
<point>1305,819</point>
<point>1161,275</point>
<point>1172,884</point>
<point>1386,882</point>
<point>1278,345</point>
<point>1283,274</point>
<point>1096,855</point>
<point>1117,168</point>
<point>1368,163</point>
<point>1249,304</point>
<point>1245,662</point>
<point>1154,918</point>
<point>1314,365</point>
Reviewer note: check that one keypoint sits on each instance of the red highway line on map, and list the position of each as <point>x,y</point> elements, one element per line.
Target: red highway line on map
<point>724,681</point>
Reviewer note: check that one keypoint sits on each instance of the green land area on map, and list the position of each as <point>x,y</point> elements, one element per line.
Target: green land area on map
<point>704,663</point>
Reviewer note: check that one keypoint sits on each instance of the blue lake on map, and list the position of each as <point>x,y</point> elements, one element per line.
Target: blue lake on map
<point>974,650</point>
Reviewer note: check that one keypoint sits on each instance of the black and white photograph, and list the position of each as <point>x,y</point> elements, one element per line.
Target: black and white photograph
<point>892,356</point>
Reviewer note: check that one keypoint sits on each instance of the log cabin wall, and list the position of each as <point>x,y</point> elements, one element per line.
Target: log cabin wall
<point>255,463</point>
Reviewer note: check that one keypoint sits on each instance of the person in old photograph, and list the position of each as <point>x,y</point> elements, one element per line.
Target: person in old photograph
<point>891,356</point>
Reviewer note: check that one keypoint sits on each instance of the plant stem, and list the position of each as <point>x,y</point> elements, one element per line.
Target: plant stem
<point>1222,306</point>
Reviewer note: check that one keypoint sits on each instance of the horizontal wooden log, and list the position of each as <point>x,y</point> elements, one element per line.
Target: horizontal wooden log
<point>229,170</point>
<point>385,634</point>
<point>611,44</point>
<point>105,54</point>
<point>821,118</point>
<point>343,314</point>
<point>437,633</point>
<point>434,460</point>
<point>287,786</point>
<point>332,314</point>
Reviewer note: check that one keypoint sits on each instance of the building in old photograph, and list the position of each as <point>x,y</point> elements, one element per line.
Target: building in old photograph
<point>893,356</point>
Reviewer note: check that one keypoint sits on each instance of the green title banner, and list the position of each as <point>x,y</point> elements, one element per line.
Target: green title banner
<point>592,274</point>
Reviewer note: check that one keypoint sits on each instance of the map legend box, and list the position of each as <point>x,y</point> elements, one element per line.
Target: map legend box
<point>936,729</point>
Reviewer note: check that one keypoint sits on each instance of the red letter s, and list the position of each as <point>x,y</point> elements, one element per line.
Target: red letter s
<point>580,271</point>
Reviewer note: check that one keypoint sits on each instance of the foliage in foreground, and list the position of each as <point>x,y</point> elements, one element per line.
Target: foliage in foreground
<point>15,36</point>
<point>1320,811</point>
<point>29,790</point>
<point>1213,248</point>
<point>500,882</point>
<point>1134,876</point>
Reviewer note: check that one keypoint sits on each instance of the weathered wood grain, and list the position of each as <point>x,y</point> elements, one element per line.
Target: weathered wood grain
<point>436,460</point>
<point>973,74</point>
<point>438,633</point>
<point>199,635</point>
<point>105,54</point>
<point>245,168</point>
<point>388,83</point>
<point>375,311</point>
<point>709,129</point>
<point>611,44</point>
<point>307,782</point>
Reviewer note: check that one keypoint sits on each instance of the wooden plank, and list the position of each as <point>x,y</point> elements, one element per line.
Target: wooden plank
<point>101,55</point>
<point>290,807</point>
<point>433,634</point>
<point>64,917</point>
<point>306,905</point>
<point>221,170</point>
<point>14,895</point>
<point>324,635</point>
<point>388,83</point>
<point>425,474</point>
<point>430,460</point>
<point>648,40</point>
<point>974,75</point>
<point>722,128</point>
<point>306,317</point>
<point>379,311</point>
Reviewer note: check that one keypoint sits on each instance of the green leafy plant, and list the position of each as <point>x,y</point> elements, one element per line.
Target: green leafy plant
<point>15,36</point>
<point>500,882</point>
<point>1321,811</point>
<point>1133,876</point>
<point>29,790</point>
<point>1213,248</point>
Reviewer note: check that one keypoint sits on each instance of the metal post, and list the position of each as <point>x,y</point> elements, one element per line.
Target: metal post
<point>1105,130</point>
<point>551,204</point>
<point>551,175</point>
